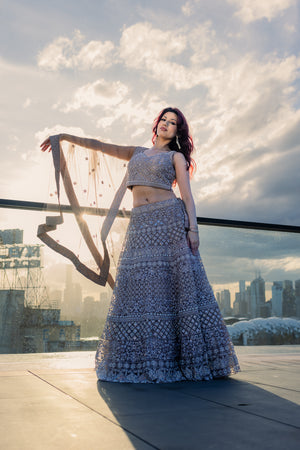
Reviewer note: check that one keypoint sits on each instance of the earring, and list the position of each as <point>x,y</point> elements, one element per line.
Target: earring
<point>177,142</point>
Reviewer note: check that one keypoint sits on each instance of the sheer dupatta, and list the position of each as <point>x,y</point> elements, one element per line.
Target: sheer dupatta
<point>61,167</point>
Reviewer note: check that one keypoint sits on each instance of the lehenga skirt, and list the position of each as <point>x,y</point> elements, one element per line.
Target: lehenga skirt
<point>164,323</point>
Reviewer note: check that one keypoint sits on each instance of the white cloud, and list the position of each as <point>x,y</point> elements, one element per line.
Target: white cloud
<point>145,48</point>
<point>143,44</point>
<point>71,53</point>
<point>290,28</point>
<point>148,49</point>
<point>57,55</point>
<point>99,93</point>
<point>138,132</point>
<point>244,110</point>
<point>95,54</point>
<point>27,103</point>
<point>189,7</point>
<point>252,10</point>
<point>155,52</point>
<point>106,122</point>
<point>14,143</point>
<point>203,43</point>
<point>134,115</point>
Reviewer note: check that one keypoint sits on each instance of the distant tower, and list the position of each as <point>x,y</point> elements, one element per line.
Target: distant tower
<point>289,299</point>
<point>72,304</point>
<point>237,304</point>
<point>242,285</point>
<point>225,302</point>
<point>258,297</point>
<point>277,291</point>
<point>242,298</point>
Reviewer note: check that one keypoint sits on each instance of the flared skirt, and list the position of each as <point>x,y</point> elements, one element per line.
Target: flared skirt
<point>164,323</point>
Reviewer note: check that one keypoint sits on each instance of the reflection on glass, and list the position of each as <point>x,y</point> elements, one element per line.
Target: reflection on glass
<point>254,273</point>
<point>47,306</point>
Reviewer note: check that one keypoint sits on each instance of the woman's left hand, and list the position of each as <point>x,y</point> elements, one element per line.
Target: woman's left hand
<point>193,241</point>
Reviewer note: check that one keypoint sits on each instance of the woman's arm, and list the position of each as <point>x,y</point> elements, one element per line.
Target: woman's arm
<point>183,180</point>
<point>118,151</point>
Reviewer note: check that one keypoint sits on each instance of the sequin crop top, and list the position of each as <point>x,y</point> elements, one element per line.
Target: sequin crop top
<point>154,170</point>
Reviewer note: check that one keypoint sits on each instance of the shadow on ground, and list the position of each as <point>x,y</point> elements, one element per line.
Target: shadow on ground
<point>219,414</point>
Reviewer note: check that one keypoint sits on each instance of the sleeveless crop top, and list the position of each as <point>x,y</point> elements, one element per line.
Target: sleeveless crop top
<point>154,170</point>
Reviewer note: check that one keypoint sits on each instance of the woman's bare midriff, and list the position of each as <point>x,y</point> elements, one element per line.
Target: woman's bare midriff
<point>143,195</point>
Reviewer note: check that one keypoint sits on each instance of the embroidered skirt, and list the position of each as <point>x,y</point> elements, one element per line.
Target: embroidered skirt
<point>164,323</point>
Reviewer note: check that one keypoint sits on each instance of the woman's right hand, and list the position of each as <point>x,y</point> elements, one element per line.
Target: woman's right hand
<point>46,145</point>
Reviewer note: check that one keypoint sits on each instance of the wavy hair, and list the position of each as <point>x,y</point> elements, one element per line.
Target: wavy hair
<point>184,137</point>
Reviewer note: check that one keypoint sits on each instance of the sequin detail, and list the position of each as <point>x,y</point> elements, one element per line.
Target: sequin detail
<point>154,170</point>
<point>164,323</point>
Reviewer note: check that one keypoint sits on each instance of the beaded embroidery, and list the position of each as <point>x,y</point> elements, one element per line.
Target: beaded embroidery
<point>154,170</point>
<point>164,323</point>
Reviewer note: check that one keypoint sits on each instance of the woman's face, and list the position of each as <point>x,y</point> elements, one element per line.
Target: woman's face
<point>167,126</point>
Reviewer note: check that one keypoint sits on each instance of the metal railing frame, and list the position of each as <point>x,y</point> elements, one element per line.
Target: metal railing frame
<point>52,207</point>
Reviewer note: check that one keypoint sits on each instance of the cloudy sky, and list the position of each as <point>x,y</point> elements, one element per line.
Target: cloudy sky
<point>105,68</point>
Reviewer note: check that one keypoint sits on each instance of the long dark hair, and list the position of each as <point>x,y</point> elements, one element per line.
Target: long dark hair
<point>184,137</point>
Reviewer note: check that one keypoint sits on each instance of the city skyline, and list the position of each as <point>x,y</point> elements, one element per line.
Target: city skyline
<point>70,273</point>
<point>225,263</point>
<point>71,317</point>
<point>251,302</point>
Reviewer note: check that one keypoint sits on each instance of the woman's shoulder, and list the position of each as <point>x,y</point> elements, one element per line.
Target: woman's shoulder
<point>179,157</point>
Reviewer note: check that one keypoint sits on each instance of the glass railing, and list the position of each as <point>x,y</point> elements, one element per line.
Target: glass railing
<point>47,306</point>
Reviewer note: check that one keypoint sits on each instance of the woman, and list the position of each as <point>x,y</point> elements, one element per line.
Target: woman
<point>164,323</point>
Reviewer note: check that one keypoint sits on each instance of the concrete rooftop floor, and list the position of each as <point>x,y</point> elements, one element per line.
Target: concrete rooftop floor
<point>53,401</point>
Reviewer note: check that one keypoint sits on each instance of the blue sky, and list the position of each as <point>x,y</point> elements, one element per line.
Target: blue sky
<point>106,68</point>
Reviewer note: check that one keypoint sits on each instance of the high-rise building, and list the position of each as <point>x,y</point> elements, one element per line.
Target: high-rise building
<point>33,330</point>
<point>225,303</point>
<point>258,298</point>
<point>288,299</point>
<point>239,307</point>
<point>287,284</point>
<point>237,304</point>
<point>11,317</point>
<point>72,304</point>
<point>244,302</point>
<point>277,297</point>
<point>242,284</point>
<point>248,300</point>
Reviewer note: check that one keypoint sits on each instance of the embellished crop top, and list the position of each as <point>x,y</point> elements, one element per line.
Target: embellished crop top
<point>154,170</point>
